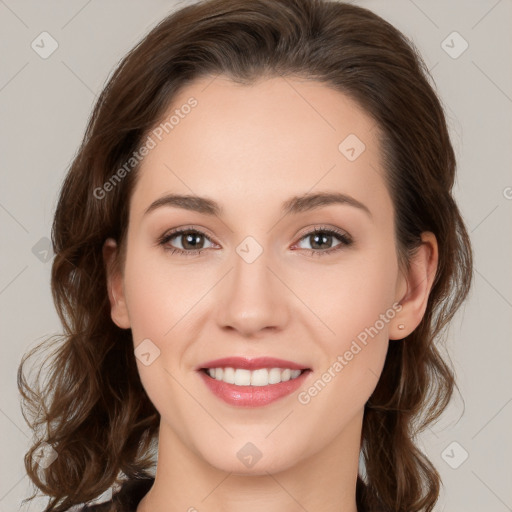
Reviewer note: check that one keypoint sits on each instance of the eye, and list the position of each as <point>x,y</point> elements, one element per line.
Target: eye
<point>189,241</point>
<point>323,241</point>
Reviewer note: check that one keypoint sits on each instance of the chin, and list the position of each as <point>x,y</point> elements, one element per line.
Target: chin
<point>256,457</point>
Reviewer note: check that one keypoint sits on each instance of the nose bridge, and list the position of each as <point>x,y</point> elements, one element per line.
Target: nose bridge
<point>251,299</point>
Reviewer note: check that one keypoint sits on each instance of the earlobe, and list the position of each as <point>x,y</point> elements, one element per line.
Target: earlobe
<point>115,290</point>
<point>419,281</point>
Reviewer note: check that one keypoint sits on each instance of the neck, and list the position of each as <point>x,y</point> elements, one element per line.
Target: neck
<point>324,481</point>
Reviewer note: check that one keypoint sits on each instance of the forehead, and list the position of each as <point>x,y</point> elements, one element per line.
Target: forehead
<point>250,146</point>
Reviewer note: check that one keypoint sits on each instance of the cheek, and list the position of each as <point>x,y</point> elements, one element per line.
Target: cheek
<point>162,302</point>
<point>159,296</point>
<point>158,303</point>
<point>351,295</point>
<point>356,307</point>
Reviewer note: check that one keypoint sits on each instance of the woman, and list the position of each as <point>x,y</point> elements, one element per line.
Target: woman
<point>257,251</point>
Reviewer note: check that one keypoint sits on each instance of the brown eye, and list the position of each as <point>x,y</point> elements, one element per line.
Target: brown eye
<point>185,241</point>
<point>191,240</point>
<point>324,241</point>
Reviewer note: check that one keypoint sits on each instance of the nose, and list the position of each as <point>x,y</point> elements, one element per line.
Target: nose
<point>252,299</point>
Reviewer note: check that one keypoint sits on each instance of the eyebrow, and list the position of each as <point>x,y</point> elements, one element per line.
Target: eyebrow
<point>294,205</point>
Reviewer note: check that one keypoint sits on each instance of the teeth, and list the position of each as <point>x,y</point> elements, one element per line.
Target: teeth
<point>260,377</point>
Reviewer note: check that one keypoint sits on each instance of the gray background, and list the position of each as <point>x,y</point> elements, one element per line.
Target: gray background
<point>44,105</point>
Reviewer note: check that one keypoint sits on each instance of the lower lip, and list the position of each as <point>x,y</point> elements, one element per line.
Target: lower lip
<point>252,396</point>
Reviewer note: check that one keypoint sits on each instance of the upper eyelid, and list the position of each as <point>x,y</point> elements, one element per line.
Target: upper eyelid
<point>320,228</point>
<point>181,231</point>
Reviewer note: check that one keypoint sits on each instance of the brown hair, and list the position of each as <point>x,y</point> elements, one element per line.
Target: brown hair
<point>92,407</point>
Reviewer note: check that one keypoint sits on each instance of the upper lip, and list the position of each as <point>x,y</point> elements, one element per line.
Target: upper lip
<point>251,363</point>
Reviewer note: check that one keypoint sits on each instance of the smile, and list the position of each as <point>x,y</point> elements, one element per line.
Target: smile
<point>252,382</point>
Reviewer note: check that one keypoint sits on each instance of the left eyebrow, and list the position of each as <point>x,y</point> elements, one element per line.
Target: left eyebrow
<point>313,201</point>
<point>296,204</point>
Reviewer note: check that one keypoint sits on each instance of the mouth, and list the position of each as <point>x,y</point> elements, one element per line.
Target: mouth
<point>252,382</point>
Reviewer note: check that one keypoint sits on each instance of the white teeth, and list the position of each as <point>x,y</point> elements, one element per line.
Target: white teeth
<point>229,375</point>
<point>260,377</point>
<point>242,377</point>
<point>274,376</point>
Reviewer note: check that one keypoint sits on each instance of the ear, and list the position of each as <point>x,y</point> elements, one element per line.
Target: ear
<point>417,284</point>
<point>115,287</point>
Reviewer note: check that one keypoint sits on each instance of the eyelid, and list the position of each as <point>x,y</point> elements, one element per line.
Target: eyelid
<point>322,228</point>
<point>184,229</point>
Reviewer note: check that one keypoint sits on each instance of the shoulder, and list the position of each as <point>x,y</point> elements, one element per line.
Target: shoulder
<point>125,500</point>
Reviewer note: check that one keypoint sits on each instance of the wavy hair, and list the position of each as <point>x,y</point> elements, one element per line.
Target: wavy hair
<point>90,405</point>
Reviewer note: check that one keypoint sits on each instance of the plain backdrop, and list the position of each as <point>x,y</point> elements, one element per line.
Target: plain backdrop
<point>44,106</point>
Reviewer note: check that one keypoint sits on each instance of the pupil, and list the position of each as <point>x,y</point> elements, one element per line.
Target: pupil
<point>189,240</point>
<point>325,239</point>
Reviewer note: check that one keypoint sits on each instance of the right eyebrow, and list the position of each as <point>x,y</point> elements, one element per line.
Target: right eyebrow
<point>187,202</point>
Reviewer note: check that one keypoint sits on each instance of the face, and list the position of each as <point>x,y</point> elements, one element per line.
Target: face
<point>251,278</point>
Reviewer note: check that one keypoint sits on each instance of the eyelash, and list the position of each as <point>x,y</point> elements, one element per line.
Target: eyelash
<point>345,240</point>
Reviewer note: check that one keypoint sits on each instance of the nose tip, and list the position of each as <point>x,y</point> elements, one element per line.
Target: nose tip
<point>251,298</point>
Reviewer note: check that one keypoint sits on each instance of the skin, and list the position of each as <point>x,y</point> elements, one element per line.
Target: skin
<point>250,148</point>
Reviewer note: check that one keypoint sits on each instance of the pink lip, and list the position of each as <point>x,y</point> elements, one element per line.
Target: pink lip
<point>251,396</point>
<point>251,364</point>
